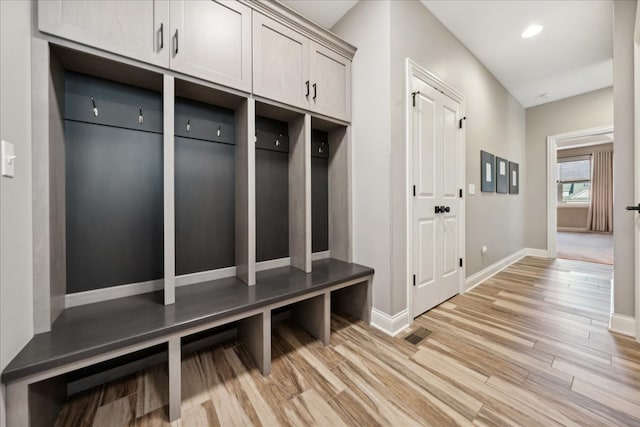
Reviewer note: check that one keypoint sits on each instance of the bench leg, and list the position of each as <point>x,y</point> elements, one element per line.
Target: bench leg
<point>255,334</point>
<point>354,300</point>
<point>314,316</point>
<point>18,404</point>
<point>175,377</point>
<point>35,405</point>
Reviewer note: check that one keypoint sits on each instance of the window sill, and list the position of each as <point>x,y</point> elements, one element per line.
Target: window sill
<point>573,205</point>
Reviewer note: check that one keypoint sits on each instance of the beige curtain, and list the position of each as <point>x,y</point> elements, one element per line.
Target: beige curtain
<point>600,214</point>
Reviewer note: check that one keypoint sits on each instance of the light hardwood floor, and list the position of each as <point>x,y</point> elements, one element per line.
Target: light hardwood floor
<point>529,347</point>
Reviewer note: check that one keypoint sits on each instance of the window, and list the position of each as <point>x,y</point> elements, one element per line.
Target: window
<point>574,180</point>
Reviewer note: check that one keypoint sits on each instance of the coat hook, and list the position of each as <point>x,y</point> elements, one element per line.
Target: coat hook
<point>278,140</point>
<point>140,117</point>
<point>320,150</point>
<point>219,130</point>
<point>189,125</point>
<point>95,109</point>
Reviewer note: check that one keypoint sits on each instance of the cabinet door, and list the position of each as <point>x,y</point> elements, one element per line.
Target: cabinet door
<point>330,83</point>
<point>134,28</point>
<point>212,40</point>
<point>280,62</point>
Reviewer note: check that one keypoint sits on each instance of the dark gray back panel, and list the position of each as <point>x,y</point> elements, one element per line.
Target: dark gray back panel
<point>117,104</point>
<point>319,204</point>
<point>319,191</point>
<point>272,192</point>
<point>272,135</point>
<point>114,187</point>
<point>272,205</point>
<point>204,121</point>
<point>205,205</point>
<point>319,144</point>
<point>114,204</point>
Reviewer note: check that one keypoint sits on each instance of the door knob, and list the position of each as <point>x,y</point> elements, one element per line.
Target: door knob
<point>634,208</point>
<point>447,209</point>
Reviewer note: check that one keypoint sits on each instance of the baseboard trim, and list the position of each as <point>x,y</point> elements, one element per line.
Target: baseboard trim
<point>484,274</point>
<point>205,276</point>
<point>573,229</point>
<point>320,255</point>
<point>131,289</point>
<point>112,292</point>
<point>621,324</point>
<point>390,325</point>
<point>540,253</point>
<point>273,263</point>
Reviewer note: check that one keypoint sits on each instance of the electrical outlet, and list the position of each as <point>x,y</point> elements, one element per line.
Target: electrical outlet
<point>8,159</point>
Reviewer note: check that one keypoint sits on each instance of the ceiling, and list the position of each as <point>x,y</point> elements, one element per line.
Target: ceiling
<point>323,12</point>
<point>572,55</point>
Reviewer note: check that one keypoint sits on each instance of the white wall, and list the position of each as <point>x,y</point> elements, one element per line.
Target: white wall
<point>367,27</point>
<point>16,288</point>
<point>624,14</point>
<point>385,34</point>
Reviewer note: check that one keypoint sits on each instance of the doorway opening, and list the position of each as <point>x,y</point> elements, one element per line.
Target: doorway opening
<point>580,195</point>
<point>584,198</point>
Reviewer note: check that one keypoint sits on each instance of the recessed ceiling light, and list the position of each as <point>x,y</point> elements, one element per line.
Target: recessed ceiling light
<point>531,31</point>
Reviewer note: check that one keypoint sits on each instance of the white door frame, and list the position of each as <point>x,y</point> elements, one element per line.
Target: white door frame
<point>414,69</point>
<point>552,198</point>
<point>636,138</point>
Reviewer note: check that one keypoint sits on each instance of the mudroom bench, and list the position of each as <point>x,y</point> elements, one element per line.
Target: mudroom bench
<point>93,342</point>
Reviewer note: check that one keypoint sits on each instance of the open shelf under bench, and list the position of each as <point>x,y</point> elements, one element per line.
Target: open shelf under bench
<point>86,335</point>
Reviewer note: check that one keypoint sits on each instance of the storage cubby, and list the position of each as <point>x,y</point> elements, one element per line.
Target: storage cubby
<point>330,190</point>
<point>319,191</point>
<point>210,177</point>
<point>272,189</point>
<point>282,188</point>
<point>98,179</point>
<point>204,186</point>
<point>113,183</point>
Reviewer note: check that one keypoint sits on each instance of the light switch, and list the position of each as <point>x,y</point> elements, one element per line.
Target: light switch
<point>8,159</point>
<point>472,189</point>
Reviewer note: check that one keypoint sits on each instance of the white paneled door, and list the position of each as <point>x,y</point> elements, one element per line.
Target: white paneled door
<point>436,150</point>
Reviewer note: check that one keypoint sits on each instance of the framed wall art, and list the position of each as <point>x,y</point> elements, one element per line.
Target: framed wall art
<point>502,175</point>
<point>487,175</point>
<point>514,178</point>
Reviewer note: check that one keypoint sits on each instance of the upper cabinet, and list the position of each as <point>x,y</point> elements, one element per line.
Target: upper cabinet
<point>251,45</point>
<point>206,39</point>
<point>212,40</point>
<point>293,69</point>
<point>135,29</point>
<point>331,83</point>
<point>280,62</point>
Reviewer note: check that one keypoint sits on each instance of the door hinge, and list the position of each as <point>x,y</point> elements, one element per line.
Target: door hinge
<point>460,122</point>
<point>460,262</point>
<point>414,280</point>
<point>413,95</point>
<point>460,193</point>
<point>414,191</point>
